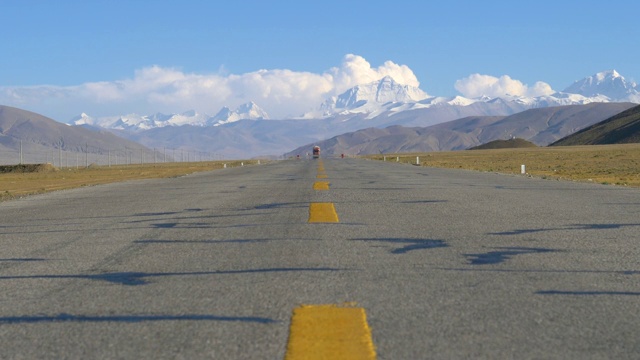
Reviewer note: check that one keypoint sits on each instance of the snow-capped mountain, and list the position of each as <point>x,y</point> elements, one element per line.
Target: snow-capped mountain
<point>135,122</point>
<point>608,83</point>
<point>82,119</point>
<point>387,96</point>
<point>377,105</point>
<point>370,97</point>
<point>248,111</point>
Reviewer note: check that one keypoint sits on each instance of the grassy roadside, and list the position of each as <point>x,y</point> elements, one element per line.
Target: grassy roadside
<point>18,184</point>
<point>604,164</point>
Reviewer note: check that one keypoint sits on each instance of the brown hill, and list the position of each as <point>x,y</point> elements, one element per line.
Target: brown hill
<point>541,126</point>
<point>622,128</point>
<point>37,135</point>
<point>505,144</point>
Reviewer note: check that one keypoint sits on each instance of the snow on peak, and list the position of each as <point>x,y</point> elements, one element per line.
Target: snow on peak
<point>385,96</point>
<point>135,122</point>
<point>609,74</point>
<point>608,83</point>
<point>82,119</point>
<point>190,117</point>
<point>370,97</point>
<point>252,110</point>
<point>248,111</point>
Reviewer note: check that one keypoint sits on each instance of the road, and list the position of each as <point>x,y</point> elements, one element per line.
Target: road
<point>443,264</point>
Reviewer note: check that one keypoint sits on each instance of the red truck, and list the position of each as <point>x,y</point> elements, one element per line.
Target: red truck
<point>316,152</point>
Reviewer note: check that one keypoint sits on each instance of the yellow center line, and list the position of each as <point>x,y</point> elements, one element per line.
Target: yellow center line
<point>321,185</point>
<point>321,176</point>
<point>329,332</point>
<point>322,213</point>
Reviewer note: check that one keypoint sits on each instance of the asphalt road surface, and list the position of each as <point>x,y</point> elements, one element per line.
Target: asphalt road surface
<point>447,264</point>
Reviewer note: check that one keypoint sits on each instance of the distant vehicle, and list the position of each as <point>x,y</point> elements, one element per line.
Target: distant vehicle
<point>316,152</point>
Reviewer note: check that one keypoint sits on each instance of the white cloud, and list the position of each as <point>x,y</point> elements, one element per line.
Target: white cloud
<point>477,85</point>
<point>355,70</point>
<point>153,89</point>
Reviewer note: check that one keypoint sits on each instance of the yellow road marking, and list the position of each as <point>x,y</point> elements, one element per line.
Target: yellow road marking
<point>329,332</point>
<point>321,176</point>
<point>321,185</point>
<point>322,213</point>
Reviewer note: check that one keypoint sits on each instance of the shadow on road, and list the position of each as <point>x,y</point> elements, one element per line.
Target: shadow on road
<point>22,259</point>
<point>411,244</point>
<point>128,318</point>
<point>279,205</point>
<point>588,293</point>
<point>236,241</point>
<point>142,278</point>
<point>423,201</point>
<point>569,227</point>
<point>502,255</point>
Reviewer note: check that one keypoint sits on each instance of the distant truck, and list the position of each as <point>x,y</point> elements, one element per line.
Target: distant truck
<point>316,152</point>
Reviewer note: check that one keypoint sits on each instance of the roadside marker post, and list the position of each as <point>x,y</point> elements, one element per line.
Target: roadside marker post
<point>522,170</point>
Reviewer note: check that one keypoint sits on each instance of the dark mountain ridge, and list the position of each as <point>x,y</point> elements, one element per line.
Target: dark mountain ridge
<point>540,126</point>
<point>505,144</point>
<point>622,128</point>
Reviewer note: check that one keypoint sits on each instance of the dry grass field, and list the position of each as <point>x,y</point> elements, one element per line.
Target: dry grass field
<point>604,164</point>
<point>18,181</point>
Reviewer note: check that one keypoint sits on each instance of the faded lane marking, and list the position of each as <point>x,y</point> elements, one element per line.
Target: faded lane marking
<point>329,332</point>
<point>321,176</point>
<point>322,213</point>
<point>321,185</point>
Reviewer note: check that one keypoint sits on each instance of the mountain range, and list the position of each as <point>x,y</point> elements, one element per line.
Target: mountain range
<point>623,128</point>
<point>608,83</point>
<point>36,136</point>
<point>135,122</point>
<point>540,126</point>
<point>388,97</point>
<point>248,131</point>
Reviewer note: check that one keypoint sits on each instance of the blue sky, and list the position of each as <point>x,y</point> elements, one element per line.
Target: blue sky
<point>66,44</point>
